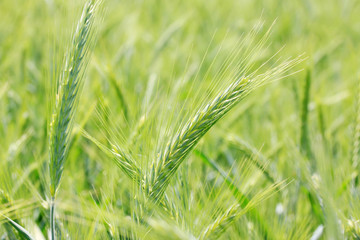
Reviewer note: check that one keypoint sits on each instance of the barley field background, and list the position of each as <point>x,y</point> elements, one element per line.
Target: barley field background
<point>192,119</point>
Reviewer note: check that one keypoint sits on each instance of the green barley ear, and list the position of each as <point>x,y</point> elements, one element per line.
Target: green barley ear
<point>203,120</point>
<point>68,85</point>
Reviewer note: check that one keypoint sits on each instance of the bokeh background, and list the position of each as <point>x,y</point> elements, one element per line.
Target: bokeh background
<point>143,48</point>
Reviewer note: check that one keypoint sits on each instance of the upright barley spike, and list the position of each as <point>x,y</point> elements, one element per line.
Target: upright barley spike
<point>69,83</point>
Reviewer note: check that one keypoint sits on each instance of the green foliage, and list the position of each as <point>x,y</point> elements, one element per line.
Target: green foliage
<point>179,119</point>
<point>304,138</point>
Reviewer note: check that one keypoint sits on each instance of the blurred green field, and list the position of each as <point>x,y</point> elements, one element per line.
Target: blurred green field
<point>282,164</point>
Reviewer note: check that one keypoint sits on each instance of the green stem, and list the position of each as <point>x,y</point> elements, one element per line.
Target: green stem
<point>52,218</point>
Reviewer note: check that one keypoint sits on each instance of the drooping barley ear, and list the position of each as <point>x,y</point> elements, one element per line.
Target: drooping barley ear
<point>185,140</point>
<point>69,84</point>
<point>178,149</point>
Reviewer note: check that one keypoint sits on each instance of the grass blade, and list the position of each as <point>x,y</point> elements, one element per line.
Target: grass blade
<point>22,231</point>
<point>304,138</point>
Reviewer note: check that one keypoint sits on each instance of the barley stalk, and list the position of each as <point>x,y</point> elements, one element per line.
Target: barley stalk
<point>69,84</point>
